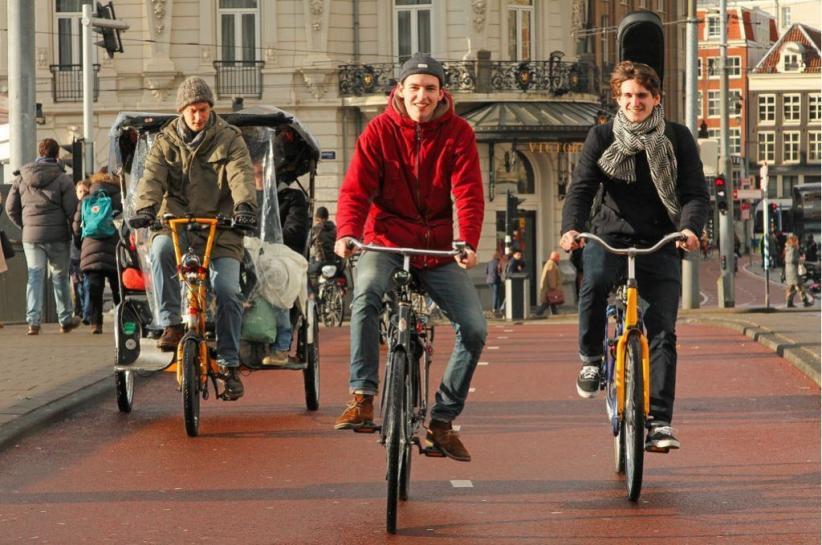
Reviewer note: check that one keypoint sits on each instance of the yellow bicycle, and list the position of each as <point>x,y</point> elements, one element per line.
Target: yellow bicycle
<point>625,374</point>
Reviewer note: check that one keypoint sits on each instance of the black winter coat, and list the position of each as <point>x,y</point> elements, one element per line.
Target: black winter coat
<point>293,218</point>
<point>98,254</point>
<point>633,212</point>
<point>323,237</point>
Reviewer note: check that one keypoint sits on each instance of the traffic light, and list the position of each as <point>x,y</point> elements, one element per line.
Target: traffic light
<point>511,213</point>
<point>111,41</point>
<point>721,194</point>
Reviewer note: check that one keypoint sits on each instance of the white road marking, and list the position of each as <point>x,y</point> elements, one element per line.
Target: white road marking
<point>493,348</point>
<point>482,363</point>
<point>456,427</point>
<point>502,337</point>
<point>472,389</point>
<point>462,484</point>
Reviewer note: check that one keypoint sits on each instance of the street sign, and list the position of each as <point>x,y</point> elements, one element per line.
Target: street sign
<point>750,194</point>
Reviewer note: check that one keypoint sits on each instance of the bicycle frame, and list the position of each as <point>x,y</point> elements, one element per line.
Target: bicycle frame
<point>193,275</point>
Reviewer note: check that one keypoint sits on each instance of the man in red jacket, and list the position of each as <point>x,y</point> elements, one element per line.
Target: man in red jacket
<point>410,162</point>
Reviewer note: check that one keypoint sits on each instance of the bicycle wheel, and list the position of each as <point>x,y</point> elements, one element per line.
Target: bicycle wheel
<point>124,384</point>
<point>394,418</point>
<point>407,453</point>
<point>336,306</point>
<point>191,386</point>
<point>311,373</point>
<point>633,418</point>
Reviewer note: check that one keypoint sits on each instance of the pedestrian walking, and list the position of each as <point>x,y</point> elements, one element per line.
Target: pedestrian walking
<point>811,249</point>
<point>94,230</point>
<point>550,286</point>
<point>494,280</point>
<point>78,279</point>
<point>42,204</point>
<point>516,264</point>
<point>793,280</point>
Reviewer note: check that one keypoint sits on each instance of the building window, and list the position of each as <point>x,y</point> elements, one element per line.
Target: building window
<point>699,106</point>
<point>713,67</point>
<point>699,68</point>
<point>734,102</point>
<point>520,30</point>
<point>660,5</point>
<point>791,108</point>
<point>239,32</point>
<point>643,4</point>
<point>767,109</point>
<point>734,67</point>
<point>713,27</point>
<point>814,107</point>
<point>413,30</point>
<point>786,17</point>
<point>603,40</point>
<point>767,148</point>
<point>790,146</point>
<point>815,146</point>
<point>69,38</point>
<point>787,185</point>
<point>735,141</point>
<point>713,103</point>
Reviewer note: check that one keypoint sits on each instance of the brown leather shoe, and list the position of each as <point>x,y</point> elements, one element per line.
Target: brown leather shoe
<point>71,324</point>
<point>441,436</point>
<point>171,338</point>
<point>358,414</point>
<point>96,329</point>
<point>33,330</point>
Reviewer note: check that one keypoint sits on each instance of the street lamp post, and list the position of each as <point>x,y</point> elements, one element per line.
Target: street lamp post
<point>766,228</point>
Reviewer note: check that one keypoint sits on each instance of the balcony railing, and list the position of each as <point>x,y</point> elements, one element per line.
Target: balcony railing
<point>239,78</point>
<point>67,82</point>
<point>553,76</point>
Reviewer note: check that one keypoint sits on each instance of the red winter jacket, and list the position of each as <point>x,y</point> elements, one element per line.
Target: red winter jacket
<point>399,187</point>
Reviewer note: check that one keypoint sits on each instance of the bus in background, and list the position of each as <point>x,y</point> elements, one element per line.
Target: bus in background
<point>805,209</point>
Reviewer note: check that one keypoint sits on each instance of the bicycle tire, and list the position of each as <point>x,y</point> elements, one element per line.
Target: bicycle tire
<point>124,385</point>
<point>407,453</point>
<point>191,387</point>
<point>394,418</point>
<point>337,306</point>
<point>633,418</point>
<point>311,373</point>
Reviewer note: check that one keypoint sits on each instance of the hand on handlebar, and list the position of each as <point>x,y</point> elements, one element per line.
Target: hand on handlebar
<point>143,218</point>
<point>345,248</point>
<point>569,241</point>
<point>244,218</point>
<point>690,243</point>
<point>467,259</point>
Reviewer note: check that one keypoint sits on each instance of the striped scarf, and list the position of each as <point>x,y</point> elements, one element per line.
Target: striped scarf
<point>630,138</point>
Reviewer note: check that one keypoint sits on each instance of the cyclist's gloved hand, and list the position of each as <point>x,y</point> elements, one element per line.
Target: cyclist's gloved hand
<point>143,218</point>
<point>244,218</point>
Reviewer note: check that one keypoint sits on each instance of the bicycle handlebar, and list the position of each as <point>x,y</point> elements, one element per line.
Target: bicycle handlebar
<point>459,249</point>
<point>192,222</point>
<point>667,239</point>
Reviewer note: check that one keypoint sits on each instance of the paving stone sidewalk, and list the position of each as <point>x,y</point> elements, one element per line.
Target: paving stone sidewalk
<point>45,377</point>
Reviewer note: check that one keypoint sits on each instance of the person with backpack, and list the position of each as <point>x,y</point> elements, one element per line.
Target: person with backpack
<point>652,184</point>
<point>42,203</point>
<point>94,232</point>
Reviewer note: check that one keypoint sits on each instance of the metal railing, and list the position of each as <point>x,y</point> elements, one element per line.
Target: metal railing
<point>553,76</point>
<point>239,78</point>
<point>67,82</point>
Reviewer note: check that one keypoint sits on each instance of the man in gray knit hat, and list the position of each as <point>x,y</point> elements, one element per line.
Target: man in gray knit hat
<point>199,165</point>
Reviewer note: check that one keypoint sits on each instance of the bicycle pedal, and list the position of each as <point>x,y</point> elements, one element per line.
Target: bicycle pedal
<point>432,452</point>
<point>367,429</point>
<point>657,450</point>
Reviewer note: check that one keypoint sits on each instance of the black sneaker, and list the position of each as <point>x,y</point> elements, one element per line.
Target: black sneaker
<point>233,385</point>
<point>588,381</point>
<point>661,439</point>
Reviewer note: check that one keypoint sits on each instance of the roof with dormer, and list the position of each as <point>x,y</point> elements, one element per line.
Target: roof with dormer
<point>808,36</point>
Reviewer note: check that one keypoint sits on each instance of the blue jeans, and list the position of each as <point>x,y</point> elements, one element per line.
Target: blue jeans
<point>225,284</point>
<point>496,296</point>
<point>56,256</point>
<point>283,343</point>
<point>449,287</point>
<point>658,280</point>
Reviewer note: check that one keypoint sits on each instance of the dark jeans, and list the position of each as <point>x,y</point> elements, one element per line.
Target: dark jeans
<point>96,281</point>
<point>658,278</point>
<point>496,295</point>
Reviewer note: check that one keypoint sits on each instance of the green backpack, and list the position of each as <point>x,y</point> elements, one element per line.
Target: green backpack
<point>97,216</point>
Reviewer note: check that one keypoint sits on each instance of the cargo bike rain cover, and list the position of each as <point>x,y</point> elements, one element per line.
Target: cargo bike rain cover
<point>281,151</point>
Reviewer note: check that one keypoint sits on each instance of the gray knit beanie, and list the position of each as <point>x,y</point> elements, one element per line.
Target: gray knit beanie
<point>193,89</point>
<point>422,63</point>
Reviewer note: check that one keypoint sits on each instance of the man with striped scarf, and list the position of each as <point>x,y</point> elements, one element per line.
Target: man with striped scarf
<point>652,184</point>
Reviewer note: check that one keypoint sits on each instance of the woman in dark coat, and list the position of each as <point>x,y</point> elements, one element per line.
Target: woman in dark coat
<point>97,256</point>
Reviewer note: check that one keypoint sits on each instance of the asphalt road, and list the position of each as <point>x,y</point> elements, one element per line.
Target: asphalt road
<point>266,471</point>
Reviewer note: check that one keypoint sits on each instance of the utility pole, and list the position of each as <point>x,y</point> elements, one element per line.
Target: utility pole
<point>89,24</point>
<point>690,265</point>
<point>22,131</point>
<point>725,282</point>
<point>766,233</point>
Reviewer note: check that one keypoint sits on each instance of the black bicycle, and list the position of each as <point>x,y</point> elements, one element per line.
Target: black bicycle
<point>404,401</point>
